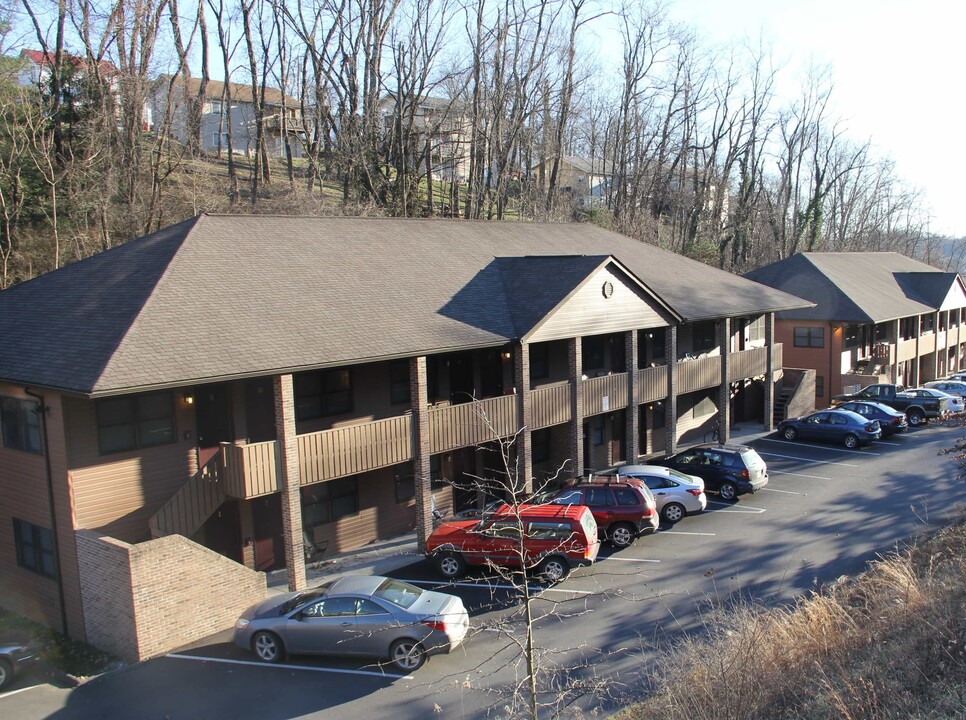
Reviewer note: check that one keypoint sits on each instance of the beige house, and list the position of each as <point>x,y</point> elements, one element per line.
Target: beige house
<point>177,412</point>
<point>445,126</point>
<point>587,180</point>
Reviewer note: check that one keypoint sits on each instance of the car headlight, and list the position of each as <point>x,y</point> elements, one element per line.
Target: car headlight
<point>241,624</point>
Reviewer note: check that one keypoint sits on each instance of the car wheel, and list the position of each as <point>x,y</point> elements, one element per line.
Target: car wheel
<point>790,433</point>
<point>451,565</point>
<point>916,418</point>
<point>6,674</point>
<point>407,655</point>
<point>673,512</point>
<point>554,569</point>
<point>728,491</point>
<point>621,535</point>
<point>268,646</point>
<point>851,441</point>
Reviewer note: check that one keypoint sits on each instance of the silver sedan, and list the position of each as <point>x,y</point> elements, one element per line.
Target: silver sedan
<point>362,615</point>
<point>676,493</point>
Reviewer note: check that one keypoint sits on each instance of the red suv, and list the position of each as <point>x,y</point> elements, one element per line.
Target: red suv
<point>557,538</point>
<point>623,508</point>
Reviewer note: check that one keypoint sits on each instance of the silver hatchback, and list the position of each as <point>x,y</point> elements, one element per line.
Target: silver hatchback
<point>676,494</point>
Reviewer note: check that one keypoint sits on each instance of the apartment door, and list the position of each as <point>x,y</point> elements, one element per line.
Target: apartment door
<point>222,531</point>
<point>267,532</point>
<point>260,410</point>
<point>213,419</point>
<point>460,378</point>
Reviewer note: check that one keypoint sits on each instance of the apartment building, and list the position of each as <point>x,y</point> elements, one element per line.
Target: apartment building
<point>877,317</point>
<point>181,412</point>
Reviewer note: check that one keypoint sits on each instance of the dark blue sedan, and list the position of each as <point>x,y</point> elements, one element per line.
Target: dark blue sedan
<point>843,426</point>
<point>890,420</point>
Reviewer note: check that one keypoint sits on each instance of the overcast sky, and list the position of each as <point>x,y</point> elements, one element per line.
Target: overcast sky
<point>897,67</point>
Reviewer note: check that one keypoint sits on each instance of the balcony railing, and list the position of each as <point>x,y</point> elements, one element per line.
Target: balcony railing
<point>906,350</point>
<point>652,383</point>
<point>606,393</point>
<point>549,406</point>
<point>698,374</point>
<point>249,470</point>
<point>747,364</point>
<point>472,423</point>
<point>927,344</point>
<point>354,449</point>
<point>776,360</point>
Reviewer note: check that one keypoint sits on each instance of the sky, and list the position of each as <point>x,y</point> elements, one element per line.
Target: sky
<point>897,69</point>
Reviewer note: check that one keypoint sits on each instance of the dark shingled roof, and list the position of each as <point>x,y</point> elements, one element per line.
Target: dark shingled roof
<point>217,297</point>
<point>857,287</point>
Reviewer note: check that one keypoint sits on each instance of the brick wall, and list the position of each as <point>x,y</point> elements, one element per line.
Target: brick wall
<point>145,600</point>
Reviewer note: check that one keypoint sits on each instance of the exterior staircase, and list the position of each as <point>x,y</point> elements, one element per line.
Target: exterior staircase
<point>192,505</point>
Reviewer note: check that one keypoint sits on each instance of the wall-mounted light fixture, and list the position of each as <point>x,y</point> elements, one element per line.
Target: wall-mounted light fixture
<point>506,355</point>
<point>188,397</point>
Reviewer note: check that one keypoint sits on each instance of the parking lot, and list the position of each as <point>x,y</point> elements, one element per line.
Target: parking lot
<point>825,512</point>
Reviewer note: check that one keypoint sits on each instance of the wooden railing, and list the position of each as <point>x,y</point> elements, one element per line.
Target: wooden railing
<point>906,350</point>
<point>747,364</point>
<point>249,470</point>
<point>927,344</point>
<point>698,374</point>
<point>550,406</point>
<point>472,423</point>
<point>652,383</point>
<point>777,360</point>
<point>606,393</point>
<point>192,505</point>
<point>354,449</point>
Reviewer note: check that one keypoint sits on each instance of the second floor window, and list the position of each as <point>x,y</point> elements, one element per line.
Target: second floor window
<point>35,548</point>
<point>539,361</point>
<point>399,382</point>
<point>323,393</point>
<point>20,424</point>
<point>810,337</point>
<point>135,421</point>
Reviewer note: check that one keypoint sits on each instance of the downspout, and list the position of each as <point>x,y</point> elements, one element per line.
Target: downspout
<point>50,505</point>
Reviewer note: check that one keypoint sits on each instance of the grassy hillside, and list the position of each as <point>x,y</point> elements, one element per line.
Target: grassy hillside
<point>890,643</point>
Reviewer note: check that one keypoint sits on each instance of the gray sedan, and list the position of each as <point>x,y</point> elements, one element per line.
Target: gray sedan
<point>676,494</point>
<point>363,615</point>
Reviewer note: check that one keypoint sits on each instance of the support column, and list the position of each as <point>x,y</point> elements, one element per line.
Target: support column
<point>576,361</point>
<point>288,480</point>
<point>419,399</point>
<point>521,380</point>
<point>724,389</point>
<point>769,419</point>
<point>632,416</point>
<point>894,353</point>
<point>934,361</point>
<point>671,411</point>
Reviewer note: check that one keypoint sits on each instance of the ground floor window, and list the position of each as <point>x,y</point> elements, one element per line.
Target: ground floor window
<point>326,502</point>
<point>35,547</point>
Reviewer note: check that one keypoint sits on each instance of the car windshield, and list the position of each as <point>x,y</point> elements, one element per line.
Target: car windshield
<point>398,592</point>
<point>302,598</point>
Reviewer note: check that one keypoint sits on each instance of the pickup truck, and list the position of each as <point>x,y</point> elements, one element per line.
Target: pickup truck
<point>917,409</point>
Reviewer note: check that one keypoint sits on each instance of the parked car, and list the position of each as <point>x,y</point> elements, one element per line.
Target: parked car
<point>952,387</point>
<point>364,615</point>
<point>729,470</point>
<point>954,403</point>
<point>557,539</point>
<point>891,421</point>
<point>843,426</point>
<point>623,510</point>
<point>958,376</point>
<point>919,409</point>
<point>17,653</point>
<point>676,494</point>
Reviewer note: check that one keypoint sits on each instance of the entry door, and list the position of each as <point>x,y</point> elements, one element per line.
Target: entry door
<point>213,418</point>
<point>222,531</point>
<point>460,378</point>
<point>267,532</point>
<point>260,410</point>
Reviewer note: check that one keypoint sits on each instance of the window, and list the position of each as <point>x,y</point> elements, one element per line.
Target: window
<point>703,335</point>
<point>503,529</point>
<point>819,386</point>
<point>326,502</point>
<point>20,423</point>
<point>549,530</point>
<point>135,421</point>
<point>540,445</point>
<point>813,337</point>
<point>399,382</point>
<point>323,393</point>
<point>539,361</point>
<point>627,496</point>
<point>755,330</point>
<point>405,484</point>
<point>593,350</point>
<point>598,497</point>
<point>436,479</point>
<point>35,548</point>
<point>853,335</point>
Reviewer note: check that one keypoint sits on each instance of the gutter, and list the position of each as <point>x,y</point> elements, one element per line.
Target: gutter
<point>50,506</point>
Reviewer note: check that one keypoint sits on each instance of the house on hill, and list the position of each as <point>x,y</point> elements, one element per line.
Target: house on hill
<point>181,411</point>
<point>877,317</point>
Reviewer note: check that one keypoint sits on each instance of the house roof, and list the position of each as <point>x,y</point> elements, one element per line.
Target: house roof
<point>240,92</point>
<point>44,59</point>
<point>857,286</point>
<point>218,297</point>
<point>589,166</point>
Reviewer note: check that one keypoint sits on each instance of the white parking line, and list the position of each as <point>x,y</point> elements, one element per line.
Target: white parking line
<point>492,586</point>
<point>681,532</point>
<point>282,666</point>
<point>811,477</point>
<point>624,559</point>
<point>886,442</point>
<point>801,459</point>
<point>728,507</point>
<point>822,447</point>
<point>783,492</point>
<point>18,690</point>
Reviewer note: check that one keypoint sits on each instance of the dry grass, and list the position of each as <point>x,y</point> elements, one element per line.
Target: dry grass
<point>887,644</point>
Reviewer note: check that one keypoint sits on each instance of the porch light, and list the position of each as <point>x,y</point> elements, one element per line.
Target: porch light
<point>188,397</point>
<point>506,355</point>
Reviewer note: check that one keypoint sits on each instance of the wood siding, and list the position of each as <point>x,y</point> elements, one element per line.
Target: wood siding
<point>698,374</point>
<point>357,448</point>
<point>603,394</point>
<point>588,312</point>
<point>117,494</point>
<point>550,405</point>
<point>652,383</point>
<point>457,426</point>
<point>927,344</point>
<point>748,364</point>
<point>906,350</point>
<point>192,505</point>
<point>249,470</point>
